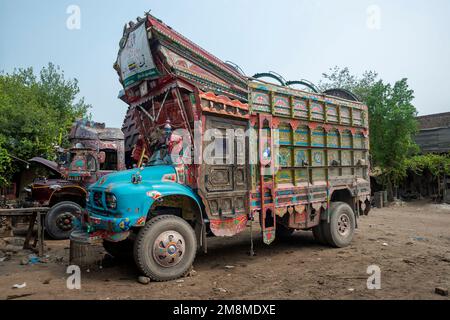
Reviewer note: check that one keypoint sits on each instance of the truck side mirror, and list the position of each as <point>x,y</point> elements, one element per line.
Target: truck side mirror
<point>101,157</point>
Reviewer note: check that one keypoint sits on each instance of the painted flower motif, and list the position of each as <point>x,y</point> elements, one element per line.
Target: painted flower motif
<point>124,224</point>
<point>318,157</point>
<point>154,194</point>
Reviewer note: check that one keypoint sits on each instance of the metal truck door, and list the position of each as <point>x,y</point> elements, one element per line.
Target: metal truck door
<point>224,169</point>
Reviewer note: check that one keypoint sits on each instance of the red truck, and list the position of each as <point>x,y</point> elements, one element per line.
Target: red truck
<point>95,152</point>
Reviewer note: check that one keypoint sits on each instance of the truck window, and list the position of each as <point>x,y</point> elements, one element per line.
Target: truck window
<point>110,163</point>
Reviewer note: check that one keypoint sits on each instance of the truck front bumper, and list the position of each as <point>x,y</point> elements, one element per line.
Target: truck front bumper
<point>93,228</point>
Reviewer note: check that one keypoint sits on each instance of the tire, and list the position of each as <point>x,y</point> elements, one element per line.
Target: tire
<point>122,250</point>
<point>341,228</point>
<point>166,265</point>
<point>56,220</point>
<point>283,233</point>
<point>318,233</point>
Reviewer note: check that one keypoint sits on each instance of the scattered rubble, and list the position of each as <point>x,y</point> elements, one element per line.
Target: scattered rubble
<point>15,241</point>
<point>144,280</point>
<point>192,273</point>
<point>19,286</point>
<point>441,291</point>
<point>398,203</point>
<point>13,248</point>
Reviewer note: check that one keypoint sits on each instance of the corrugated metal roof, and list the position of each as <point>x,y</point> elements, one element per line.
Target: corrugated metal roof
<point>436,140</point>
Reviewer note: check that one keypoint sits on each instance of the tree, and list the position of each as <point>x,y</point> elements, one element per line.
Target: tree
<point>5,163</point>
<point>392,120</point>
<point>342,78</point>
<point>36,112</point>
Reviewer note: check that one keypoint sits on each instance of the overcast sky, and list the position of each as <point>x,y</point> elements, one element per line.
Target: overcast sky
<point>300,39</point>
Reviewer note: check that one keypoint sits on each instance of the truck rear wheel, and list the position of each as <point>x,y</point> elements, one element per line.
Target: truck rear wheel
<point>59,221</point>
<point>339,231</point>
<point>165,248</point>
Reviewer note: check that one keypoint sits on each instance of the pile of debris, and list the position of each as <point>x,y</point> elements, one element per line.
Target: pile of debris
<point>10,246</point>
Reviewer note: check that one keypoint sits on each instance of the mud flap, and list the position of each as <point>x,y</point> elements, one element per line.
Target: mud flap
<point>200,234</point>
<point>268,232</point>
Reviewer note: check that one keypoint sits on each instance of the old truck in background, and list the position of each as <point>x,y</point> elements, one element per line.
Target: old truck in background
<point>292,159</point>
<point>95,152</point>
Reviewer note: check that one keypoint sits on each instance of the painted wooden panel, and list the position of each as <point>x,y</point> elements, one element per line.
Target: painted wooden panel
<point>318,158</point>
<point>285,176</point>
<point>261,98</point>
<point>284,158</point>
<point>301,157</point>
<point>301,176</point>
<point>333,138</point>
<point>357,117</point>
<point>346,161</point>
<point>318,137</point>
<point>359,141</point>
<point>347,140</point>
<point>345,115</point>
<point>300,108</point>
<point>285,134</point>
<point>281,105</point>
<point>332,113</point>
<point>301,136</point>
<point>317,111</point>
<point>318,175</point>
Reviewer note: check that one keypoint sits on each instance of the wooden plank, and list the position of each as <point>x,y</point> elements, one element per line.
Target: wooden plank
<point>23,211</point>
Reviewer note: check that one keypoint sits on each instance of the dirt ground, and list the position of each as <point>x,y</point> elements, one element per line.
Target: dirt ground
<point>410,244</point>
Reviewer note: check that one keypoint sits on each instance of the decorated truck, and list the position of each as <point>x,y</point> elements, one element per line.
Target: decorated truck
<point>95,152</point>
<point>219,151</point>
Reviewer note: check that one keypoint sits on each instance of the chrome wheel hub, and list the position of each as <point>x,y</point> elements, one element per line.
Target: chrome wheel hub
<point>168,248</point>
<point>343,224</point>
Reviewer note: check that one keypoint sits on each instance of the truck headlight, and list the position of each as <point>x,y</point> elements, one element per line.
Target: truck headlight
<point>111,201</point>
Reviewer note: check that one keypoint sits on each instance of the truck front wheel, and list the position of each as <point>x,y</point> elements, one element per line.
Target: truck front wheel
<point>165,248</point>
<point>339,231</point>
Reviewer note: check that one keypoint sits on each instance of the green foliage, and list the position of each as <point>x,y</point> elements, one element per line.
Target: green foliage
<point>35,111</point>
<point>438,165</point>
<point>5,163</point>
<point>392,119</point>
<point>343,79</point>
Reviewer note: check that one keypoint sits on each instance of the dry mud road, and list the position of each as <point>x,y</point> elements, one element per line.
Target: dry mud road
<point>410,244</point>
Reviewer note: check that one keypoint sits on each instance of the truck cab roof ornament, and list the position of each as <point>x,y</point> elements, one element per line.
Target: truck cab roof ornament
<point>272,75</point>
<point>305,83</point>
<point>342,93</point>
